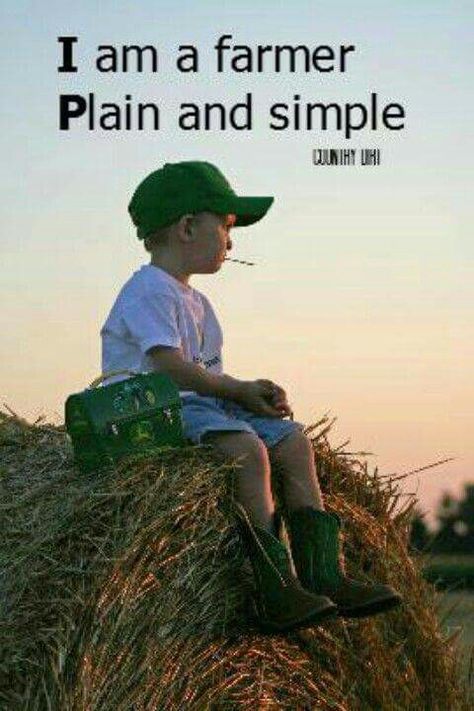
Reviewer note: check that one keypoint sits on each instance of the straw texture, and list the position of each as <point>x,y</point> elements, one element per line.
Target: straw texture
<point>127,589</point>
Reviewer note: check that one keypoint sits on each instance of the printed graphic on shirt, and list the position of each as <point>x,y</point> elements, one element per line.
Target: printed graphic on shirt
<point>207,363</point>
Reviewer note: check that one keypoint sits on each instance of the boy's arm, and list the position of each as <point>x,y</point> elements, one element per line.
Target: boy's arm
<point>260,396</point>
<point>190,376</point>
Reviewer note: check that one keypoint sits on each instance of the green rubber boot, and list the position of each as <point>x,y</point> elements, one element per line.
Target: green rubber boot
<point>280,602</point>
<point>316,552</point>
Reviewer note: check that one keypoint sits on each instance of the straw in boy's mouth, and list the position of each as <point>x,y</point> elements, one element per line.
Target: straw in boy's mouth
<point>239,261</point>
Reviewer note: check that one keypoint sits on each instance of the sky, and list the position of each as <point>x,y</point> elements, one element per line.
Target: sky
<point>360,300</point>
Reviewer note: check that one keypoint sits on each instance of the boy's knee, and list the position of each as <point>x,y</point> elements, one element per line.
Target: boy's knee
<point>295,441</point>
<point>238,444</point>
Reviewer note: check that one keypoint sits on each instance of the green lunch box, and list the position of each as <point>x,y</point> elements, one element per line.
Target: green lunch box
<point>137,415</point>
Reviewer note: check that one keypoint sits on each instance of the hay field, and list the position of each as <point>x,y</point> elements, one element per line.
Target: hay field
<point>126,589</point>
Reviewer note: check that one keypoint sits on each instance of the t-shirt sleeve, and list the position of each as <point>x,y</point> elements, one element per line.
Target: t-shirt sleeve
<point>153,321</point>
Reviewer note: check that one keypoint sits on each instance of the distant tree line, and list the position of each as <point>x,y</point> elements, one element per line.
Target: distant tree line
<point>455,530</point>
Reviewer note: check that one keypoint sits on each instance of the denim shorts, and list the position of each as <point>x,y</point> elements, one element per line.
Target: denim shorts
<point>210,414</point>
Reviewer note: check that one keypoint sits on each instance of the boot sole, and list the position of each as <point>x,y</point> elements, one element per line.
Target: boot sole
<point>372,608</point>
<point>312,619</point>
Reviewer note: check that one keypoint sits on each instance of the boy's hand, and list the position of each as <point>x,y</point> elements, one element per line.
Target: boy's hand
<point>264,398</point>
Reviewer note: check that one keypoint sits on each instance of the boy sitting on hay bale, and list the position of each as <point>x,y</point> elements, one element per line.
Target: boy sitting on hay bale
<point>184,213</point>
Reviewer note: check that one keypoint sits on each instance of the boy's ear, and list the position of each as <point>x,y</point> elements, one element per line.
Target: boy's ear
<point>185,227</point>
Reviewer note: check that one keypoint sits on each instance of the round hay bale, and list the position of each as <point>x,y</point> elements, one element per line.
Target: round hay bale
<point>127,589</point>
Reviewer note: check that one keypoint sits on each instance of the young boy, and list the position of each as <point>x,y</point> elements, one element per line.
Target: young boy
<point>184,212</point>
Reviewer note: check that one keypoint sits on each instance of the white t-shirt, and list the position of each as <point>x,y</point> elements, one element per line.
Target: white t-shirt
<point>155,309</point>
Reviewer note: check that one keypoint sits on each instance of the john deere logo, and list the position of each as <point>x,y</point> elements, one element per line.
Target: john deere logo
<point>141,433</point>
<point>150,397</point>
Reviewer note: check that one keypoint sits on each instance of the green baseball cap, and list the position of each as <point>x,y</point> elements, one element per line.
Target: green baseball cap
<point>189,187</point>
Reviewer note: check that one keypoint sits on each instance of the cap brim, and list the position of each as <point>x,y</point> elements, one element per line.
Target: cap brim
<point>250,209</point>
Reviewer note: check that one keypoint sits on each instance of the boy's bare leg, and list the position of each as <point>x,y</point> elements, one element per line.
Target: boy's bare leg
<point>253,478</point>
<point>294,457</point>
